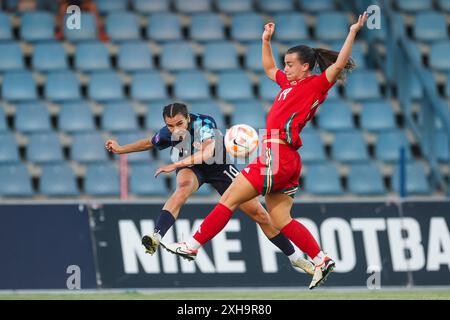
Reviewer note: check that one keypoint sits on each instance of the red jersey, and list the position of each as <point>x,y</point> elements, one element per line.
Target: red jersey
<point>295,105</point>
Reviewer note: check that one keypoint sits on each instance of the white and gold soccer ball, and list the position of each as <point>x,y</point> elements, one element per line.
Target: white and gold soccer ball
<point>241,140</point>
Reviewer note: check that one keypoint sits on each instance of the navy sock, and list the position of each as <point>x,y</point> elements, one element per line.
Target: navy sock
<point>164,222</point>
<point>283,243</point>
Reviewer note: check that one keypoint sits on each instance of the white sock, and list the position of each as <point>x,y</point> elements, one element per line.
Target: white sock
<point>295,256</point>
<point>319,258</point>
<point>193,243</point>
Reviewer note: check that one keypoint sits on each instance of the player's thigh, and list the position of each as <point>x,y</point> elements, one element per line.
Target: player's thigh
<point>240,191</point>
<point>279,206</point>
<point>186,182</point>
<point>254,209</point>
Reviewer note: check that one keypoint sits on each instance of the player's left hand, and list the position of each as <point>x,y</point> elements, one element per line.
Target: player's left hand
<point>361,20</point>
<point>167,169</point>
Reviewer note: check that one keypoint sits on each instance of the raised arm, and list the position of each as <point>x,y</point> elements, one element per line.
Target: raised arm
<point>268,61</point>
<point>140,145</point>
<point>332,72</point>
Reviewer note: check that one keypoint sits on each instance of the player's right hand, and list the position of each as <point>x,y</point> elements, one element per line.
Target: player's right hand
<point>112,146</point>
<point>269,29</point>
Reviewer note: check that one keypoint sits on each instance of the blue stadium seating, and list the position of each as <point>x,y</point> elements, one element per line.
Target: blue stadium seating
<point>210,108</point>
<point>62,85</point>
<point>313,150</point>
<point>143,181</point>
<point>317,5</point>
<point>291,27</point>
<point>335,115</point>
<point>3,124</point>
<point>377,116</point>
<point>49,56</point>
<point>447,86</point>
<point>268,89</point>
<point>58,180</point>
<point>106,6</point>
<point>44,148</point>
<point>105,85</point>
<point>32,117</point>
<point>430,26</point>
<point>87,32</point>
<point>444,5</point>
<point>153,119</point>
<point>365,179</point>
<point>76,116</point>
<point>130,137</point>
<point>234,6</point>
<point>191,85</point>
<point>119,116</point>
<point>206,27</point>
<point>135,56</point>
<point>246,26</point>
<point>8,148</point>
<point>249,112</point>
<point>15,181</point>
<point>234,85</point>
<point>5,27</point>
<point>92,56</point>
<point>37,26</point>
<point>219,56</point>
<point>416,179</point>
<point>18,86</point>
<point>11,56</point>
<point>441,146</point>
<point>88,147</point>
<point>177,56</point>
<point>333,93</point>
<point>363,85</point>
<point>164,26</point>
<point>413,5</point>
<point>102,180</point>
<point>147,86</point>
<point>253,57</point>
<point>387,147</point>
<point>439,56</point>
<point>323,179</point>
<point>331,26</point>
<point>145,6</point>
<point>122,26</point>
<point>271,6</point>
<point>192,6</point>
<point>349,147</point>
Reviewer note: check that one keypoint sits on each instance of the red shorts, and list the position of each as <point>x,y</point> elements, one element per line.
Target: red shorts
<point>277,169</point>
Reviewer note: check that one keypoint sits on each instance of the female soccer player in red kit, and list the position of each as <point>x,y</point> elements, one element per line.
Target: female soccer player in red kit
<point>275,173</point>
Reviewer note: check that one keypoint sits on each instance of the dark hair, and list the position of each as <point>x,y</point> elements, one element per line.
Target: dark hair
<point>173,109</point>
<point>322,57</point>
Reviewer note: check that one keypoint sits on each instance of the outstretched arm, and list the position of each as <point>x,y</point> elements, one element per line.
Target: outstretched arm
<point>332,72</point>
<point>140,145</point>
<point>268,61</point>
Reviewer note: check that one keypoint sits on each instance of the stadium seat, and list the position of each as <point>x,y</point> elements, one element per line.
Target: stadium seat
<point>130,137</point>
<point>317,5</point>
<point>75,116</point>
<point>365,179</point>
<point>11,56</point>
<point>331,26</point>
<point>234,85</point>
<point>153,118</point>
<point>205,190</point>
<point>438,56</point>
<point>387,147</point>
<point>268,89</point>
<point>49,56</point>
<point>61,86</point>
<point>177,56</point>
<point>335,115</point>
<point>219,56</point>
<point>249,112</point>
<point>312,150</point>
<point>88,147</point>
<point>122,26</point>
<point>18,86</point>
<point>37,26</point>
<point>8,148</point>
<point>44,148</point>
<point>441,146</point>
<point>192,6</point>
<point>165,155</point>
<point>105,85</point>
<point>333,93</point>
<point>444,5</point>
<point>119,116</point>
<point>144,183</point>
<point>377,116</point>
<point>146,7</point>
<point>15,181</point>
<point>209,108</point>
<point>147,86</point>
<point>253,56</point>
<point>5,27</point>
<point>246,27</point>
<point>3,124</point>
<point>271,6</point>
<point>430,26</point>
<point>357,55</point>
<point>416,179</point>
<point>363,85</point>
<point>191,85</point>
<point>291,27</point>
<point>206,27</point>
<point>447,86</point>
<point>412,6</point>
<point>87,32</point>
<point>32,117</point>
<point>92,56</point>
<point>164,26</point>
<point>58,180</point>
<point>234,6</point>
<point>323,179</point>
<point>349,147</point>
<point>102,180</point>
<point>135,56</point>
<point>106,6</point>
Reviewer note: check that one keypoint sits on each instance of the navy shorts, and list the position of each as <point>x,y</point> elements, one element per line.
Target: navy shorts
<point>220,176</point>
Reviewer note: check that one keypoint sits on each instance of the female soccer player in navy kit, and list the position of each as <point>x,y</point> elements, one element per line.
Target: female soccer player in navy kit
<point>276,172</point>
<point>186,133</point>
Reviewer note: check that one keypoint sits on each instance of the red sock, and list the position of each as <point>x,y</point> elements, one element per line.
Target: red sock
<point>214,222</point>
<point>301,237</point>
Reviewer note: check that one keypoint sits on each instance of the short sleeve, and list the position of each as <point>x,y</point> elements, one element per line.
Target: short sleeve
<point>161,140</point>
<point>322,84</point>
<point>281,79</point>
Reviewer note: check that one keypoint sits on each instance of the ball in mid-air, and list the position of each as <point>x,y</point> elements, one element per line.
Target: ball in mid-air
<point>241,140</point>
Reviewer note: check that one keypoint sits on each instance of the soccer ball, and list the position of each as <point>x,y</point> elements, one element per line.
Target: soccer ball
<point>241,140</point>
